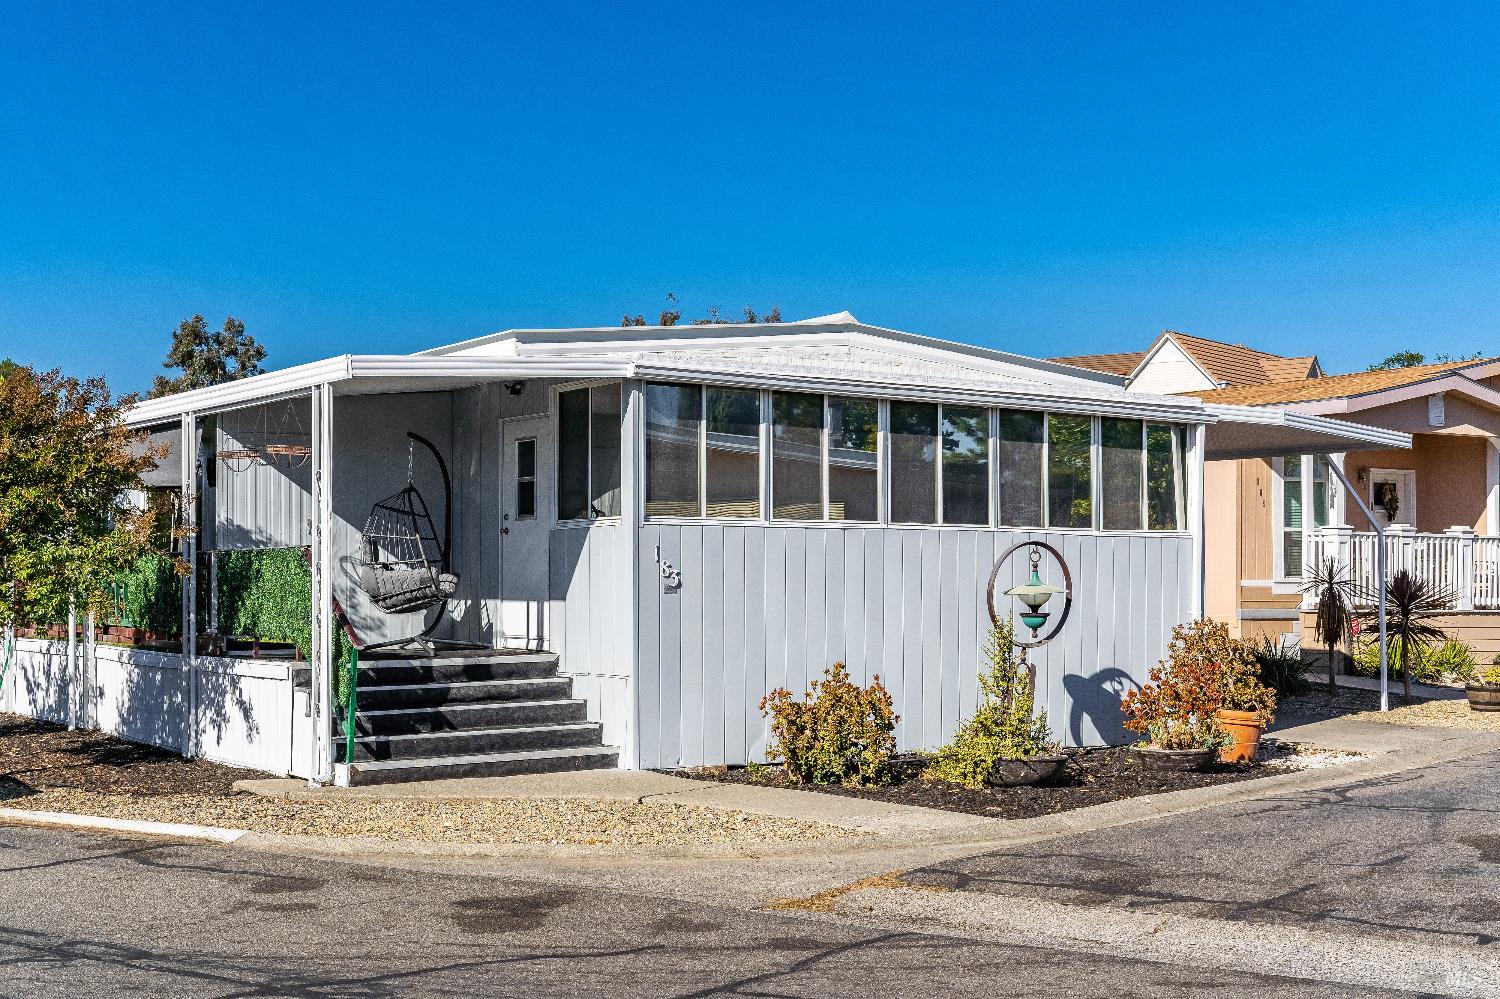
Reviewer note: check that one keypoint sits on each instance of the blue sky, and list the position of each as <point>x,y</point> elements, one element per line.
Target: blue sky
<point>1046,178</point>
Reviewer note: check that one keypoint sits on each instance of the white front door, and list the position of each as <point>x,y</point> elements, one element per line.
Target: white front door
<point>526,516</point>
<point>1393,495</point>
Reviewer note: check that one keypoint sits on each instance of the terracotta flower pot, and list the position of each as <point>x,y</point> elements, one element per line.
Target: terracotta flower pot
<point>1244,727</point>
<point>1483,696</point>
<point>1172,760</point>
<point>1036,770</point>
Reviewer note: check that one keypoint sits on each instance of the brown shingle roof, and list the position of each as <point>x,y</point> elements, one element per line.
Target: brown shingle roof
<point>1114,364</point>
<point>1231,363</point>
<point>1330,387</point>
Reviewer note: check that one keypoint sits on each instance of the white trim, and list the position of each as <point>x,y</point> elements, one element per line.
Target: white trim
<point>1342,434</point>
<point>1409,475</point>
<point>1448,381</point>
<point>1162,340</point>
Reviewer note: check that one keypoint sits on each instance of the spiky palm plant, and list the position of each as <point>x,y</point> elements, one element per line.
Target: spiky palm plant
<point>1333,594</point>
<point>1410,606</point>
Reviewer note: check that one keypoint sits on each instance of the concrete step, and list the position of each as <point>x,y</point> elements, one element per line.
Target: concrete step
<point>485,765</point>
<point>427,695</point>
<point>515,739</point>
<point>455,669</point>
<point>467,717</point>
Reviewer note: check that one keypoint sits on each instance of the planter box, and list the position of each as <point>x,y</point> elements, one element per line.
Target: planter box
<point>1483,696</point>
<point>1173,760</point>
<point>1037,770</point>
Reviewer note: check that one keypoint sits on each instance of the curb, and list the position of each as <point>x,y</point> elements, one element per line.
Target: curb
<point>213,834</point>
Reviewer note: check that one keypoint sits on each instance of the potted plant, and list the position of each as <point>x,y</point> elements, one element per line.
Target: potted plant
<point>1246,704</point>
<point>1179,710</point>
<point>1007,742</point>
<point>1482,687</point>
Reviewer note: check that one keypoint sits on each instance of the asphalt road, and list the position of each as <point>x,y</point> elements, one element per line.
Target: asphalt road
<point>84,915</point>
<point>1414,857</point>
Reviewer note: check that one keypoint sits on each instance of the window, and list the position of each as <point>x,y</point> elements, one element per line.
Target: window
<point>1164,479</point>
<point>796,456</point>
<point>674,424</point>
<point>1070,500</point>
<point>572,455</point>
<point>1122,474</point>
<point>914,438</point>
<point>966,465</point>
<point>1020,458</point>
<point>1306,505</point>
<point>526,478</point>
<point>1291,517</point>
<point>853,459</point>
<point>588,453</point>
<point>732,452</point>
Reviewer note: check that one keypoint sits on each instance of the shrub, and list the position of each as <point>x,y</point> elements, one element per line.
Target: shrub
<point>1003,727</point>
<point>1282,667</point>
<point>1428,663</point>
<point>840,734</point>
<point>1205,670</point>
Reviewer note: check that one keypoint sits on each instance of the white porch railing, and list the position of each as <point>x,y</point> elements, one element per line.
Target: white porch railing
<point>1456,561</point>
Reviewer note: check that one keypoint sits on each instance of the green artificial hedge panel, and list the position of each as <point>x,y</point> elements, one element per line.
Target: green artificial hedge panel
<point>149,595</point>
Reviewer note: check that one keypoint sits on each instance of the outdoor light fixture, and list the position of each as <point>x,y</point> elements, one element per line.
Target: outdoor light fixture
<point>1034,594</point>
<point>515,388</point>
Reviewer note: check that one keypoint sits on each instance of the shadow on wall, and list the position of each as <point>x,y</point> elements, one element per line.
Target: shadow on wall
<point>1096,699</point>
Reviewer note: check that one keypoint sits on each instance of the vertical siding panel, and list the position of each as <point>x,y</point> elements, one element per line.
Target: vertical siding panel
<point>649,640</point>
<point>931,647</point>
<point>713,666</point>
<point>815,605</point>
<point>670,716</point>
<point>776,588</point>
<point>696,580</point>
<point>911,643</point>
<point>757,626</point>
<point>950,661</point>
<point>837,641</point>
<point>734,600</point>
<point>794,628</point>
<point>856,636</point>
<point>893,589</point>
<point>970,578</point>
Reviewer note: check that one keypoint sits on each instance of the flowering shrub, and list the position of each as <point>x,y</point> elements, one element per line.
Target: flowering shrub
<point>1205,671</point>
<point>1003,727</point>
<point>840,734</point>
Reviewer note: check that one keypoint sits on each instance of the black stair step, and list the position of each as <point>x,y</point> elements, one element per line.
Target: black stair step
<point>389,672</point>
<point>485,765</point>
<point>467,717</point>
<point>429,745</point>
<point>421,695</point>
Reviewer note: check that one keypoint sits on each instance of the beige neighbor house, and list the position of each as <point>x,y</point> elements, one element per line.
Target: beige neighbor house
<point>1267,519</point>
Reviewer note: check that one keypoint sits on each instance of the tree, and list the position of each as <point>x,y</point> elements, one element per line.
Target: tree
<point>1411,605</point>
<point>1412,359</point>
<point>1333,594</point>
<point>208,358</point>
<point>66,462</point>
<point>712,318</point>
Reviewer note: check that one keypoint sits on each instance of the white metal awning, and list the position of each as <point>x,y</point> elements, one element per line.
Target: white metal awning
<point>1267,432</point>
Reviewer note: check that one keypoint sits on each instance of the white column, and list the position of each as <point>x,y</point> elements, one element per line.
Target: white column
<point>1402,539</point>
<point>1462,571</point>
<point>321,659</point>
<point>188,526</point>
<point>1492,487</point>
<point>1196,509</point>
<point>632,509</point>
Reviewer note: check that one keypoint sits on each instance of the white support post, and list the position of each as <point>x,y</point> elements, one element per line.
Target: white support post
<point>321,658</point>
<point>1196,515</point>
<point>1335,542</point>
<point>632,516</point>
<point>188,529</point>
<point>1403,538</point>
<point>75,681</point>
<point>1492,487</point>
<point>1462,571</point>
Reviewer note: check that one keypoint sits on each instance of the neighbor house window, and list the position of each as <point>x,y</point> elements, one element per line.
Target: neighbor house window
<point>1070,480</point>
<point>914,450</point>
<point>588,453</point>
<point>1165,501</point>
<point>796,456</point>
<point>1020,458</point>
<point>966,465</point>
<point>853,459</point>
<point>674,426</point>
<point>732,452</point>
<point>1122,474</point>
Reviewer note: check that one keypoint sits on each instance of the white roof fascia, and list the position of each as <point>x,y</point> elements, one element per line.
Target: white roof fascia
<point>1447,381</point>
<point>1056,398</point>
<point>368,367</point>
<point>1354,436</point>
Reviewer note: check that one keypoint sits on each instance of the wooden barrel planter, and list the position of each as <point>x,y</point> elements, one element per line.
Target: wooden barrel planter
<point>1245,728</point>
<point>1035,770</point>
<point>1483,696</point>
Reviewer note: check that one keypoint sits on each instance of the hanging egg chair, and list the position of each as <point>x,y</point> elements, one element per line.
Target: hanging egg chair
<point>403,563</point>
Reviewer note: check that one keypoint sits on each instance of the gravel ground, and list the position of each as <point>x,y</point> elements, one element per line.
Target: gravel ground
<point>44,767</point>
<point>1364,705</point>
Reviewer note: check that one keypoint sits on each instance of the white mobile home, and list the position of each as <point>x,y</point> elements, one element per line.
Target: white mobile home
<point>674,521</point>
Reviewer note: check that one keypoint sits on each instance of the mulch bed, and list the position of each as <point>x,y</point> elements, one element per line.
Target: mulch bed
<point>39,756</point>
<point>1092,777</point>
